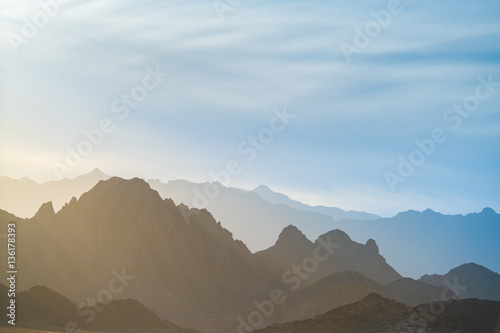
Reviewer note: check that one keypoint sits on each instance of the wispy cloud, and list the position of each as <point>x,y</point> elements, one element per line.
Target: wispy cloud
<point>226,77</point>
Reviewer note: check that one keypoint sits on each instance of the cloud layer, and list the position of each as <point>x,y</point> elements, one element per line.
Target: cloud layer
<point>227,76</point>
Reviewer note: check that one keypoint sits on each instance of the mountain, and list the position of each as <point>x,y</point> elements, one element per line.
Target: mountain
<point>413,292</point>
<point>42,308</point>
<point>337,290</point>
<point>376,314</point>
<point>187,271</point>
<point>471,280</point>
<point>328,293</point>
<point>450,239</point>
<point>292,248</point>
<point>336,213</point>
<point>434,240</point>
<point>348,287</point>
<point>250,218</point>
<point>355,317</point>
<point>24,196</point>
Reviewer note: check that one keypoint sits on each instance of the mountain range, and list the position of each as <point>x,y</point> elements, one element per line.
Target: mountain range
<point>257,218</point>
<point>122,240</point>
<point>376,314</point>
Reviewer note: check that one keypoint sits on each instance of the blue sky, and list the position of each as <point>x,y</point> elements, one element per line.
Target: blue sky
<point>353,120</point>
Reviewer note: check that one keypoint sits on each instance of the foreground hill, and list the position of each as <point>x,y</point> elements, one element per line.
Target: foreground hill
<point>345,288</point>
<point>42,308</point>
<point>376,314</point>
<point>348,318</point>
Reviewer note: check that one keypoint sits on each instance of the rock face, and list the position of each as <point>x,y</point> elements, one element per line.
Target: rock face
<point>475,281</point>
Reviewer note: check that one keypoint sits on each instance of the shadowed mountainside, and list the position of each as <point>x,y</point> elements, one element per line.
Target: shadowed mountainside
<point>376,314</point>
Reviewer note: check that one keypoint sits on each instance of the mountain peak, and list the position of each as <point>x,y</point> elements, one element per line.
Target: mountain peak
<point>488,211</point>
<point>262,188</point>
<point>46,211</point>
<point>291,232</point>
<point>338,236</point>
<point>468,268</point>
<point>97,171</point>
<point>293,236</point>
<point>372,245</point>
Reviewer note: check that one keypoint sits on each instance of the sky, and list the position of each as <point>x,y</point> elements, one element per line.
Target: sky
<point>380,106</point>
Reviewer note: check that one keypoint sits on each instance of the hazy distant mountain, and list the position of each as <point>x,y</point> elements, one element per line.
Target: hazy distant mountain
<point>434,241</point>
<point>336,213</point>
<point>41,307</point>
<point>292,247</point>
<point>250,218</point>
<point>376,314</point>
<point>24,196</point>
<point>475,281</point>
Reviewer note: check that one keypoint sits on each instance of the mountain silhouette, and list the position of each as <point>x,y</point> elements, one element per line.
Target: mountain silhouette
<point>376,314</point>
<point>175,263</point>
<point>473,280</point>
<point>42,308</point>
<point>293,247</point>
